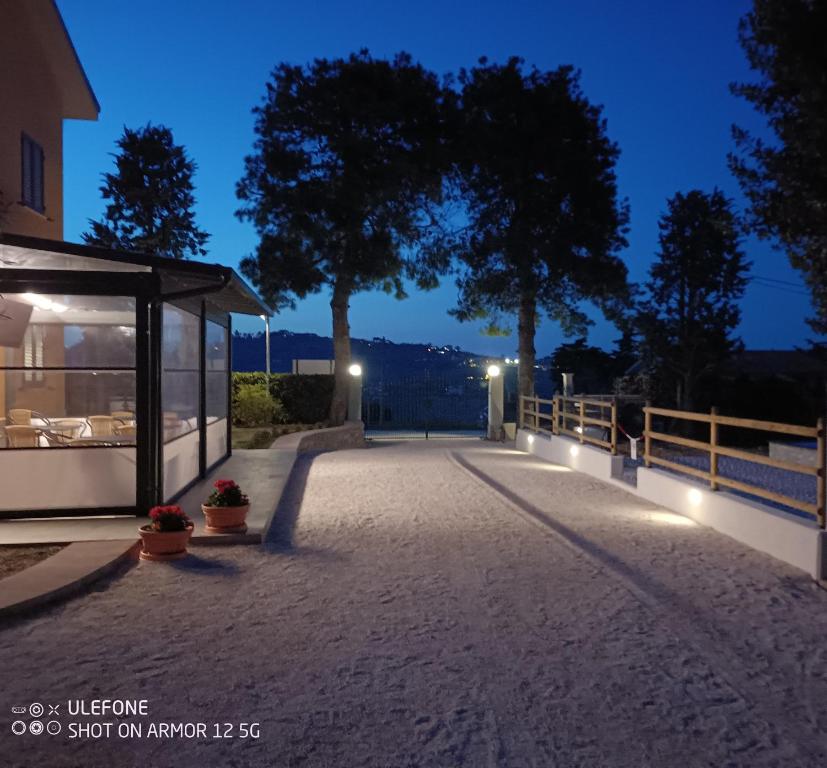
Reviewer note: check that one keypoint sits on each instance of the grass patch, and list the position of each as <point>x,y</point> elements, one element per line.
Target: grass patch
<point>18,558</point>
<point>263,437</point>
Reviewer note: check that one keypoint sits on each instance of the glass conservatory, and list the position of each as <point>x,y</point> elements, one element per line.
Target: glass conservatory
<point>114,376</point>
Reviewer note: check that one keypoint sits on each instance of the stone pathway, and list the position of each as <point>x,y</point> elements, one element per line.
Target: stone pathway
<point>443,603</point>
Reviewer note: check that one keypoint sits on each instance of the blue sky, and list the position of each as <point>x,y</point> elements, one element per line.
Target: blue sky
<point>660,69</point>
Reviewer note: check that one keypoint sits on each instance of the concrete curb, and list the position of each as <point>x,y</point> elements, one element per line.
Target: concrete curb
<point>64,574</point>
<point>351,434</point>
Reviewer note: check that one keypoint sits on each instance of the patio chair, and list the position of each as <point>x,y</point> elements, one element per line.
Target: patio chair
<point>124,417</point>
<point>101,426</point>
<point>24,416</point>
<point>125,430</point>
<point>21,436</point>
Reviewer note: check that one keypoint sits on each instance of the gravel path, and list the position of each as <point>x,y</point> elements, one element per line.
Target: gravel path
<point>448,604</point>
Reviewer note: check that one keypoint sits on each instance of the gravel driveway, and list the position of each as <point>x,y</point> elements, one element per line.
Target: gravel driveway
<point>442,603</point>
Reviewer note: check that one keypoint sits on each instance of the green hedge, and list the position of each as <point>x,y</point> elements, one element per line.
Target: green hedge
<point>304,399</point>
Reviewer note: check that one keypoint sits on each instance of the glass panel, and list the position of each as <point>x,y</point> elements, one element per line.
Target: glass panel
<point>59,408</point>
<point>58,331</point>
<point>216,372</point>
<point>180,361</point>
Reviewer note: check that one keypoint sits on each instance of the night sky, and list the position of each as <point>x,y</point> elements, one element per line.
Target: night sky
<point>660,69</point>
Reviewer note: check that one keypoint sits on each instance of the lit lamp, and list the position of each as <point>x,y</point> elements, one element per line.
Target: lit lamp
<point>495,402</point>
<point>354,390</point>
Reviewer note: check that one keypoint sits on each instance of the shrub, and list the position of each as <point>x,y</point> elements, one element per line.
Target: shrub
<point>253,406</point>
<point>305,399</point>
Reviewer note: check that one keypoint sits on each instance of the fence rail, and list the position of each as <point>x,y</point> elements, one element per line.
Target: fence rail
<point>566,411</point>
<point>714,448</point>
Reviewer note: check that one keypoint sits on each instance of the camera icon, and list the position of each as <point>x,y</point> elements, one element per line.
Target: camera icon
<point>35,727</point>
<point>18,727</point>
<point>53,727</point>
<point>35,710</point>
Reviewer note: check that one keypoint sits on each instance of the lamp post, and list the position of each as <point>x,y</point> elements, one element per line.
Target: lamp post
<point>354,401</point>
<point>495,402</point>
<point>266,319</point>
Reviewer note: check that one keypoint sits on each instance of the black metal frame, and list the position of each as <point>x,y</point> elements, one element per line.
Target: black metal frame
<point>146,288</point>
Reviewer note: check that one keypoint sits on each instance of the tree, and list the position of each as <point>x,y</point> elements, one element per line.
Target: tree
<point>537,172</point>
<point>595,369</point>
<point>686,323</point>
<point>786,181</point>
<point>346,162</point>
<point>152,198</point>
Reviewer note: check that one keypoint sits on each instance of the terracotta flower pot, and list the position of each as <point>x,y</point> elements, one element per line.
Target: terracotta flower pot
<point>226,519</point>
<point>164,545</point>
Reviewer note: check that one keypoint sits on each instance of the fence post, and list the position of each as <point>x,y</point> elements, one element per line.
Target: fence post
<point>713,444</point>
<point>520,415</point>
<point>582,416</point>
<point>555,415</point>
<point>614,426</point>
<point>821,491</point>
<point>647,430</point>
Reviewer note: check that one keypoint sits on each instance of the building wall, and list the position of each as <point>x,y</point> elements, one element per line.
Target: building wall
<point>31,103</point>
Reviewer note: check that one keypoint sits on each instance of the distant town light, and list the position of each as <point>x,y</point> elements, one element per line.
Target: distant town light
<point>355,370</point>
<point>516,361</point>
<point>493,371</point>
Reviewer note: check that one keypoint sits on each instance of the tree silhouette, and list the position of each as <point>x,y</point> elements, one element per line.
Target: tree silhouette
<point>786,180</point>
<point>686,321</point>
<point>346,163</point>
<point>151,196</point>
<point>537,172</point>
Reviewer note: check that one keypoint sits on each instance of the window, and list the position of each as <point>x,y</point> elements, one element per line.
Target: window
<point>71,372</point>
<point>33,354</point>
<point>180,378</point>
<point>32,174</point>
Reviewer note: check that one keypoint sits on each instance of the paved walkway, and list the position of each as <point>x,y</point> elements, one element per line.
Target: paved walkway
<point>445,604</point>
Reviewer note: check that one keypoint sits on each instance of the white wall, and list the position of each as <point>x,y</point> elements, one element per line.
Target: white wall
<point>216,441</point>
<point>786,537</point>
<point>56,478</point>
<point>570,453</point>
<point>180,463</point>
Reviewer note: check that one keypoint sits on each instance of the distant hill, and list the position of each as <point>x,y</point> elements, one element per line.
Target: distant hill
<point>375,355</point>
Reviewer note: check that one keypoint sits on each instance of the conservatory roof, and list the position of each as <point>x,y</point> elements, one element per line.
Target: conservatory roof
<point>180,280</point>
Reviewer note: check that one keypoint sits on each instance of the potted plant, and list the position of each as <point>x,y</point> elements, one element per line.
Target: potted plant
<point>166,537</point>
<point>226,509</point>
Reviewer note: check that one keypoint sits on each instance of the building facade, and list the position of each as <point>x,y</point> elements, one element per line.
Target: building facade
<point>42,83</point>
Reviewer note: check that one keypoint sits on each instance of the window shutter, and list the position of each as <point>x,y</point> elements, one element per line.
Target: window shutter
<point>26,154</point>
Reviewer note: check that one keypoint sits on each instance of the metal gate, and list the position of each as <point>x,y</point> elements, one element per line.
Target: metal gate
<point>425,404</point>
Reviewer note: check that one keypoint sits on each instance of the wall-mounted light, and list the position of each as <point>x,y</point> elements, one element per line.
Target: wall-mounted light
<point>695,497</point>
<point>355,370</point>
<point>574,450</point>
<point>531,439</point>
<point>493,371</point>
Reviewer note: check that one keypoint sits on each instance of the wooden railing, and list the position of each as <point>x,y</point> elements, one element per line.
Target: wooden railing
<point>562,412</point>
<point>714,448</point>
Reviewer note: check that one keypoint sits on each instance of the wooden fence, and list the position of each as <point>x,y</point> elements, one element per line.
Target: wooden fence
<point>572,416</point>
<point>713,447</point>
